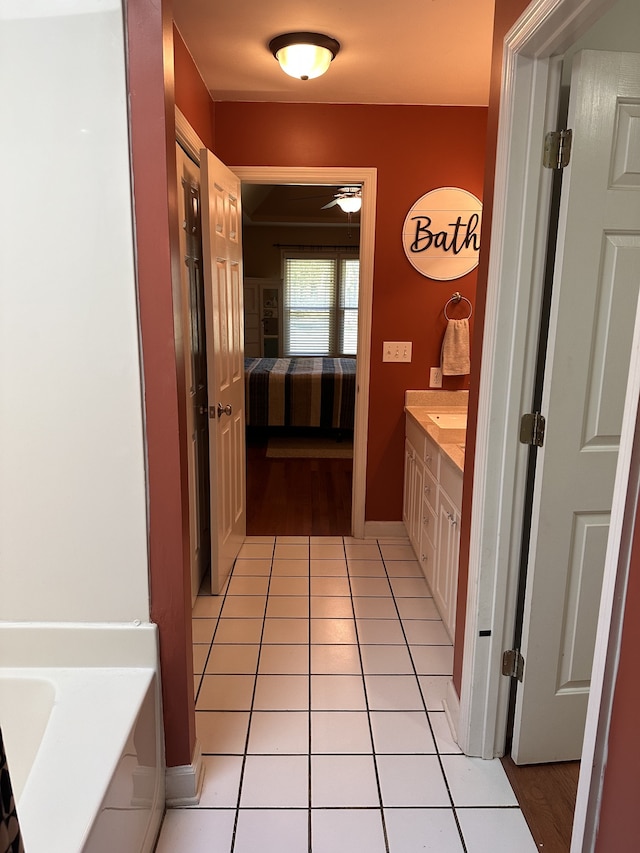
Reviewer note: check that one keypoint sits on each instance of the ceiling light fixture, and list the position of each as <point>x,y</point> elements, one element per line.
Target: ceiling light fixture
<point>350,203</point>
<point>304,55</point>
<point>348,199</point>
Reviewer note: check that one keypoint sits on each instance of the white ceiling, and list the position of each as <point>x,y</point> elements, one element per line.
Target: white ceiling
<point>404,52</point>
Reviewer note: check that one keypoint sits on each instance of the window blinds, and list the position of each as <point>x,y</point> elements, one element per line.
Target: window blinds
<point>320,305</point>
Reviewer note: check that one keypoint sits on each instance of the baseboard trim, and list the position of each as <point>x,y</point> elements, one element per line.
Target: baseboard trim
<point>184,783</point>
<point>385,530</point>
<point>451,705</point>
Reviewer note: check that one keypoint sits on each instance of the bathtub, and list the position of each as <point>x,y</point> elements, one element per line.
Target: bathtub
<point>81,723</point>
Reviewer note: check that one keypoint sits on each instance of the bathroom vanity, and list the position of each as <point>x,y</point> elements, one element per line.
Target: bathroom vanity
<point>435,432</point>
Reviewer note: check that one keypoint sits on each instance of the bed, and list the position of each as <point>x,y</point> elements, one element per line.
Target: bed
<point>300,392</point>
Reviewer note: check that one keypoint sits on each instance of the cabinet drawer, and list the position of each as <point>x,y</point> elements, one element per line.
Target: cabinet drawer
<point>451,481</point>
<point>430,490</point>
<point>415,435</point>
<point>429,521</point>
<point>427,558</point>
<point>431,456</point>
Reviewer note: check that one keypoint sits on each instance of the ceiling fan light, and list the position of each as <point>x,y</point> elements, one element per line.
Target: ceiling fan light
<point>350,204</point>
<point>304,55</point>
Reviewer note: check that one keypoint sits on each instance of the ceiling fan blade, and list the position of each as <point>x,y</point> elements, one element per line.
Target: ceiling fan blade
<point>331,203</point>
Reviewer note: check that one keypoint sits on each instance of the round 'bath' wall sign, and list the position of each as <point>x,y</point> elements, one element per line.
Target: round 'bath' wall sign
<point>441,234</point>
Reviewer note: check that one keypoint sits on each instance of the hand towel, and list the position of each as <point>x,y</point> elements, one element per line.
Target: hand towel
<point>455,349</point>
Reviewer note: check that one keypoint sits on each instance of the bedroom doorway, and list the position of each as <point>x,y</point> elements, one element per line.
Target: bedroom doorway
<point>322,494</point>
<point>301,281</point>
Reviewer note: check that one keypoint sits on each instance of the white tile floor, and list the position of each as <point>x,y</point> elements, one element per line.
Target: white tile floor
<point>319,685</point>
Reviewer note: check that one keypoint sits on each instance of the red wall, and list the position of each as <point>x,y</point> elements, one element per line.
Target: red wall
<point>192,96</point>
<point>415,149</point>
<point>152,127</point>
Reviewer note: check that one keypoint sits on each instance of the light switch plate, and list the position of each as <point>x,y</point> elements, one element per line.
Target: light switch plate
<point>396,351</point>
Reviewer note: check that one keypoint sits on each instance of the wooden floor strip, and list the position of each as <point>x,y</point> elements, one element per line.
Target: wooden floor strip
<point>547,796</point>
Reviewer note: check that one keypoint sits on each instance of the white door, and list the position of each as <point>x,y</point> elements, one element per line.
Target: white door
<point>222,250</point>
<point>195,367</point>
<point>595,291</point>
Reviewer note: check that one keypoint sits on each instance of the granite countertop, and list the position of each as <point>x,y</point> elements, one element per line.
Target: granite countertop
<point>419,405</point>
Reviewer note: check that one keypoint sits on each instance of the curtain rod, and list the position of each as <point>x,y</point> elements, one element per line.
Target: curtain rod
<point>313,247</point>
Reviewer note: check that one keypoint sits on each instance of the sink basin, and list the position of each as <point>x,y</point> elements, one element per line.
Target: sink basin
<point>447,420</point>
<point>449,427</point>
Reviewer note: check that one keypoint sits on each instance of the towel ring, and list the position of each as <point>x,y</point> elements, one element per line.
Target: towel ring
<point>458,297</point>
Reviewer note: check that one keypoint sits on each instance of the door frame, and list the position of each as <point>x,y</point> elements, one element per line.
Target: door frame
<point>344,176</point>
<point>529,93</point>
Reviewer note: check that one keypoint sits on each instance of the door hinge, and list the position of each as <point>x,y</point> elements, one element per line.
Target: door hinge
<point>513,664</point>
<point>532,429</point>
<point>557,149</point>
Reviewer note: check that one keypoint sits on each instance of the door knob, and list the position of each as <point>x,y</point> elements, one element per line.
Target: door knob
<point>224,410</point>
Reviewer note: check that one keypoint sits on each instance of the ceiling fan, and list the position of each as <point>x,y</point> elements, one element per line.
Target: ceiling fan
<point>349,199</point>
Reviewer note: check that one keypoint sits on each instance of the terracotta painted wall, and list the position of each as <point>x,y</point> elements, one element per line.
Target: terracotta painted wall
<point>152,127</point>
<point>415,149</point>
<point>192,96</point>
<point>507,13</point>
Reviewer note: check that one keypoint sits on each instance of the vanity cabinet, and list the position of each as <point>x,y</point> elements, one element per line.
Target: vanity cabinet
<point>431,513</point>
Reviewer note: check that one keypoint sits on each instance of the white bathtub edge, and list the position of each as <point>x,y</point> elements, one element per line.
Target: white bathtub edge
<point>79,644</point>
<point>100,672</point>
<point>183,784</point>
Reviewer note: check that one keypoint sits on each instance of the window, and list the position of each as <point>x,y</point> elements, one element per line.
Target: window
<point>321,304</point>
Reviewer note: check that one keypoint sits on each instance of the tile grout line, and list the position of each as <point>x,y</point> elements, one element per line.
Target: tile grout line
<point>253,696</point>
<point>213,636</point>
<point>424,703</point>
<point>368,709</point>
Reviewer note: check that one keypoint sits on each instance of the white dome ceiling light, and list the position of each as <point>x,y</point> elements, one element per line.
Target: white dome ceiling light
<point>304,55</point>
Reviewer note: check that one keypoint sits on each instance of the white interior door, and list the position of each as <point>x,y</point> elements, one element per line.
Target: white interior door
<point>595,291</point>
<point>195,367</point>
<point>222,250</point>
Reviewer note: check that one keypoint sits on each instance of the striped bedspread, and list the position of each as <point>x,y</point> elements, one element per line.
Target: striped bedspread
<point>300,392</point>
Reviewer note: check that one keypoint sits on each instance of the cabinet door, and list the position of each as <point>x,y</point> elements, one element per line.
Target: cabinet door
<point>446,570</point>
<point>418,480</point>
<point>409,457</point>
<point>428,542</point>
<point>412,499</point>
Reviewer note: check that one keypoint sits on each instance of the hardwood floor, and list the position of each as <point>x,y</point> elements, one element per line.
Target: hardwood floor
<point>547,796</point>
<point>296,497</point>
